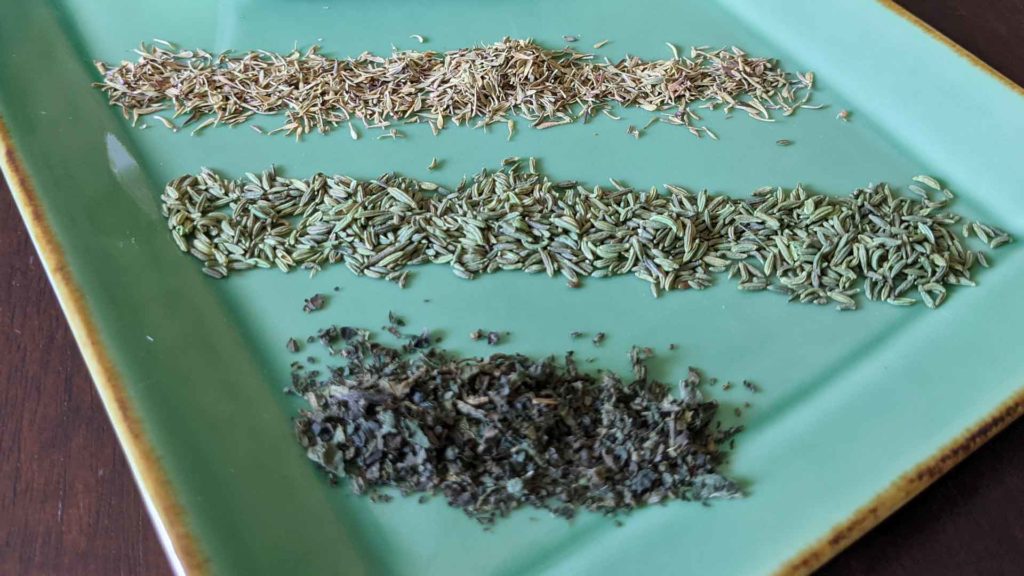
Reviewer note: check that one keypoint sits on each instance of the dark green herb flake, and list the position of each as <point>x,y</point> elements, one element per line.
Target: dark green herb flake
<point>314,303</point>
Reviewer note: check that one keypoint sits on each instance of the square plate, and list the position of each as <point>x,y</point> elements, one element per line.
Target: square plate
<point>859,411</point>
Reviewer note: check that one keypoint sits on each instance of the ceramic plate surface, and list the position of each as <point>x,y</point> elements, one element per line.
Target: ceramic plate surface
<point>859,410</point>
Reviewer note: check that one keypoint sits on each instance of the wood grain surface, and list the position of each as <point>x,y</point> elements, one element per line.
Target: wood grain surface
<point>68,504</point>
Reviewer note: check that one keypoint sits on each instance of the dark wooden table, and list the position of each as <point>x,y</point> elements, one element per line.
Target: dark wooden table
<point>68,504</point>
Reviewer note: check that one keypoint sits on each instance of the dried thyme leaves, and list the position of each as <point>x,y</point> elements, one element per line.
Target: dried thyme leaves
<point>809,247</point>
<point>492,435</point>
<point>487,84</point>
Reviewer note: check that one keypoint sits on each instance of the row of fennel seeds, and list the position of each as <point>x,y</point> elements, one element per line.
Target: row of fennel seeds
<point>809,247</point>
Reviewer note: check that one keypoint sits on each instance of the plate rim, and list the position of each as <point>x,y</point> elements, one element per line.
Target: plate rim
<point>165,511</point>
<point>181,545</point>
<point>912,482</point>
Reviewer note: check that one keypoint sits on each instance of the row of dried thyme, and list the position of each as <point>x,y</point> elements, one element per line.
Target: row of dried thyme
<point>487,84</point>
<point>810,247</point>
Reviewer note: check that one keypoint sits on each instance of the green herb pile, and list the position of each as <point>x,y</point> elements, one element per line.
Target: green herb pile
<point>492,435</point>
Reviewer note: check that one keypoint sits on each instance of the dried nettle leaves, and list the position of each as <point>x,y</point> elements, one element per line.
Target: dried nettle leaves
<point>494,434</point>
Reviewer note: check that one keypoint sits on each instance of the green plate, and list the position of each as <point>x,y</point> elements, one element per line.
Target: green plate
<point>859,410</point>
